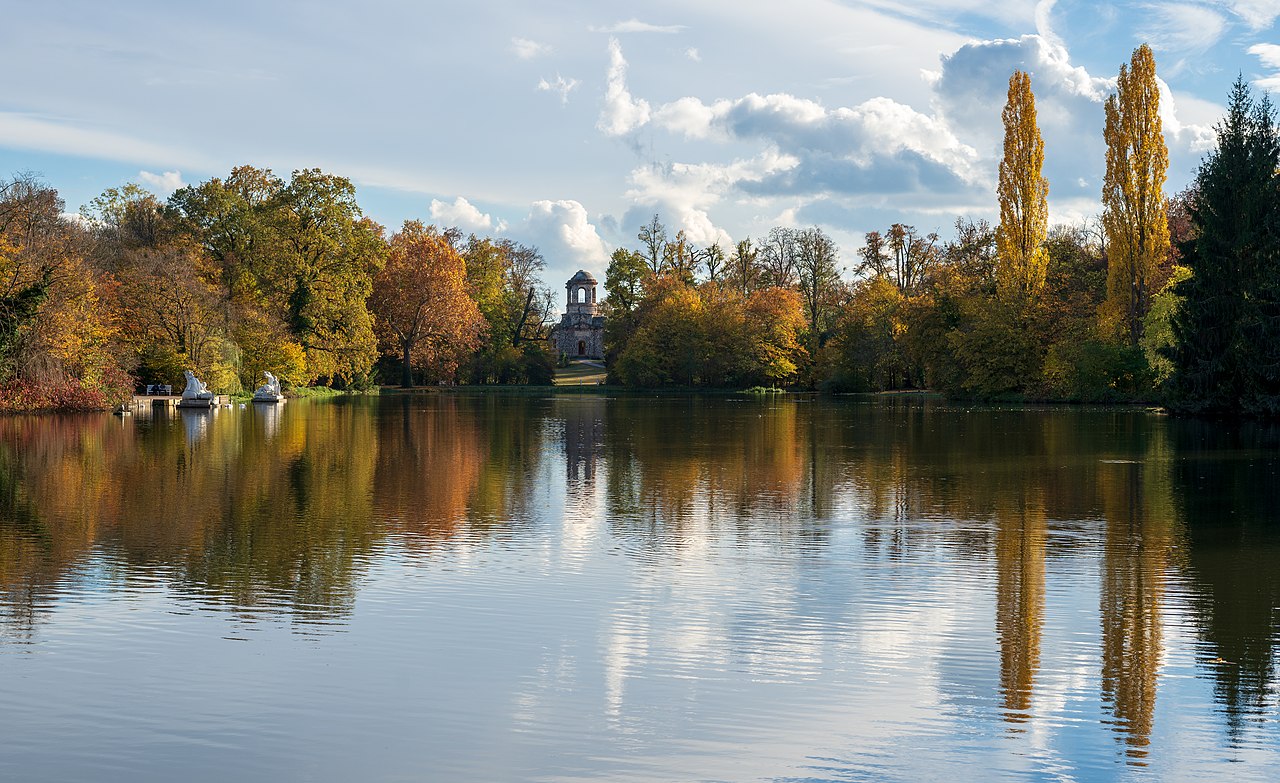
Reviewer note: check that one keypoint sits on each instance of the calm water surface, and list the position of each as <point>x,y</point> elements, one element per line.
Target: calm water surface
<point>499,588</point>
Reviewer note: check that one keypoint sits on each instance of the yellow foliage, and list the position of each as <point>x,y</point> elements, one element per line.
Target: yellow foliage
<point>1023,190</point>
<point>1134,204</point>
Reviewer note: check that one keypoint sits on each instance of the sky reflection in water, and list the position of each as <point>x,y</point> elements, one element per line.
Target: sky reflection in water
<point>521,588</point>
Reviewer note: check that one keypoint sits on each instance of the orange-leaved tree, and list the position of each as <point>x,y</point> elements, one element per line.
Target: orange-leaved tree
<point>421,302</point>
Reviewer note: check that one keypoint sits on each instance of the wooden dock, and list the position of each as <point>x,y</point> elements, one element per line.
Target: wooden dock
<point>165,401</point>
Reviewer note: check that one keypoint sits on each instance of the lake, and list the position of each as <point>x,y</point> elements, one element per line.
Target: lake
<point>521,588</point>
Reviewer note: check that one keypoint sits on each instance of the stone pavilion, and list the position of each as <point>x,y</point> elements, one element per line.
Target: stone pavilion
<point>580,333</point>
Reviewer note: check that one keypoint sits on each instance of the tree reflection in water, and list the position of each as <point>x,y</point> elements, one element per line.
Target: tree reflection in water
<point>279,512</point>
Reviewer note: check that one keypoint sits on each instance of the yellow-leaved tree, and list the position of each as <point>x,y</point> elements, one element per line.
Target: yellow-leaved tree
<point>1024,217</point>
<point>1133,199</point>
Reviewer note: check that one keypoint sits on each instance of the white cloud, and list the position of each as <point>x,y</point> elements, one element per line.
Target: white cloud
<point>31,132</point>
<point>464,215</point>
<point>1182,27</point>
<point>859,135</point>
<point>162,184</point>
<point>684,193</point>
<point>636,26</point>
<point>693,54</point>
<point>1269,56</point>
<point>563,233</point>
<point>621,113</point>
<point>527,49</point>
<point>1196,138</point>
<point>974,86</point>
<point>1044,22</point>
<point>561,86</point>
<point>1257,14</point>
<point>692,118</point>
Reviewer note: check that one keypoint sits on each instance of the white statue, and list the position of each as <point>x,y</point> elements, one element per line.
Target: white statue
<point>195,389</point>
<point>269,391</point>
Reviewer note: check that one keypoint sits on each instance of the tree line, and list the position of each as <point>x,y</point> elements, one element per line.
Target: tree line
<point>1170,299</point>
<point>237,275</point>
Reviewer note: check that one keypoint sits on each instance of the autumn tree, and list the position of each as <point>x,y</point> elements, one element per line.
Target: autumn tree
<point>743,272</point>
<point>1134,208</point>
<point>300,253</point>
<point>778,257</point>
<point>819,281</point>
<point>59,319</point>
<point>901,254</point>
<point>712,259</point>
<point>653,238</point>
<point>422,303</point>
<point>680,258</point>
<point>176,321</point>
<point>1022,193</point>
<point>504,279</point>
<point>625,281</point>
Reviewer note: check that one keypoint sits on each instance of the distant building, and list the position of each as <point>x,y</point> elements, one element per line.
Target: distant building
<point>580,332</point>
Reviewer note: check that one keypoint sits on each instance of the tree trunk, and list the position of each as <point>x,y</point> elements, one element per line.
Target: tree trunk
<point>406,370</point>
<point>524,316</point>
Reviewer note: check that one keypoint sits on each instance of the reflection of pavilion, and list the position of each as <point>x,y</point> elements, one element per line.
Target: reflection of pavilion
<point>583,418</point>
<point>583,438</point>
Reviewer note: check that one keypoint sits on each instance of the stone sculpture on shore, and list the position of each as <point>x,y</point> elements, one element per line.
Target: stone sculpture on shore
<point>269,391</point>
<point>196,395</point>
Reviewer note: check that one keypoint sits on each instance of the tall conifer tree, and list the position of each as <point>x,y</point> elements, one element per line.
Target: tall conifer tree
<point>1133,199</point>
<point>1024,217</point>
<point>1226,354</point>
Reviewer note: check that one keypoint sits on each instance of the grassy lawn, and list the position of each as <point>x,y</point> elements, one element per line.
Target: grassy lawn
<point>580,373</point>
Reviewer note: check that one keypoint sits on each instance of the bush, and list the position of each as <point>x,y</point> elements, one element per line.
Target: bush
<point>67,395</point>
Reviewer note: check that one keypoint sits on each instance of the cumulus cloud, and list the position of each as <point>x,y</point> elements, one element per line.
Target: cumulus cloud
<point>162,184</point>
<point>561,86</point>
<point>464,215</point>
<point>693,54</point>
<point>621,113</point>
<point>527,49</point>
<point>564,234</point>
<point>684,193</point>
<point>636,26</point>
<point>973,85</point>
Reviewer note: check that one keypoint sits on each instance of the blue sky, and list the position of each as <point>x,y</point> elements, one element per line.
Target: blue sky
<point>566,124</point>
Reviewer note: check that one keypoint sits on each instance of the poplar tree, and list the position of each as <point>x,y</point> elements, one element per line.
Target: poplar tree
<point>1022,192</point>
<point>1133,199</point>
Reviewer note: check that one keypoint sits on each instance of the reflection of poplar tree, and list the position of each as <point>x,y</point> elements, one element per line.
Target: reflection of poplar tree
<point>1020,551</point>
<point>1133,200</point>
<point>1135,555</point>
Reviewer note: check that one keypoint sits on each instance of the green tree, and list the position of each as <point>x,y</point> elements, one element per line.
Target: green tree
<point>1226,333</point>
